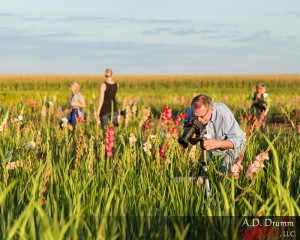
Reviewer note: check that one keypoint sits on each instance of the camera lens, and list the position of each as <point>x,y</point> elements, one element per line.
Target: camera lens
<point>183,140</point>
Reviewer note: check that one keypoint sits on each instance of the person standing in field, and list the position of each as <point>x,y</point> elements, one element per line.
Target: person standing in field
<point>76,103</point>
<point>107,109</point>
<point>260,104</point>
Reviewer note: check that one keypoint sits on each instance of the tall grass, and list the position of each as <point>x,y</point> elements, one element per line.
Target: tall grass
<point>66,187</point>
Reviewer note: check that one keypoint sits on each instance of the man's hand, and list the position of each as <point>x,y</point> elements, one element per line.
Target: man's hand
<point>211,144</point>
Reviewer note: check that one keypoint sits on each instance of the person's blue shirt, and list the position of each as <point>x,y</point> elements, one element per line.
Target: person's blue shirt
<point>223,126</point>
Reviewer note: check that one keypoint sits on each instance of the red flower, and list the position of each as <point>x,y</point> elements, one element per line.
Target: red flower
<point>166,115</point>
<point>81,120</point>
<point>146,125</point>
<point>162,151</point>
<point>109,154</point>
<point>109,138</point>
<point>33,103</point>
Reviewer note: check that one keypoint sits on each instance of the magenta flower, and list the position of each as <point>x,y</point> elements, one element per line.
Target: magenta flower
<point>109,138</point>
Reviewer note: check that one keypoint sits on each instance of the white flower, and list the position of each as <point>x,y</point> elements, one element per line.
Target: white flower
<point>20,118</point>
<point>168,135</point>
<point>147,147</point>
<point>132,139</point>
<point>134,109</point>
<point>43,112</point>
<point>29,145</point>
<point>64,122</point>
<point>152,138</point>
<point>50,104</point>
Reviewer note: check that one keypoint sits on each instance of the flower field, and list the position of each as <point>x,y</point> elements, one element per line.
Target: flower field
<point>85,184</point>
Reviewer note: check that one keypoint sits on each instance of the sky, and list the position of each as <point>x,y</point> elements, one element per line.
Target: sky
<point>150,36</point>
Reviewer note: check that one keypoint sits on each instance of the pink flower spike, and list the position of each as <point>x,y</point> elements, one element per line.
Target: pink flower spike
<point>239,165</point>
<point>266,155</point>
<point>109,153</point>
<point>249,172</point>
<point>234,168</point>
<point>12,165</point>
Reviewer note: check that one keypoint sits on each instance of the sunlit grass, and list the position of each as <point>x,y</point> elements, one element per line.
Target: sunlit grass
<point>68,188</point>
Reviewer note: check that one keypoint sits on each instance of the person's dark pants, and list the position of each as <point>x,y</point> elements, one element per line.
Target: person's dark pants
<point>105,118</point>
<point>258,114</point>
<point>72,116</point>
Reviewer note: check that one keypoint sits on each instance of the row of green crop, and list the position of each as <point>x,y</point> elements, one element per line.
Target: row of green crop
<point>277,83</point>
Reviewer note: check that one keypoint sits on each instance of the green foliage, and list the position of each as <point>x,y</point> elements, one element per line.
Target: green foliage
<point>66,188</point>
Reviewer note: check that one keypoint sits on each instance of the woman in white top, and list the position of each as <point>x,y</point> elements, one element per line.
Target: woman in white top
<point>76,103</point>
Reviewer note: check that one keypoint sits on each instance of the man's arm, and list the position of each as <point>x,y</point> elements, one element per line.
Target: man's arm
<point>211,144</point>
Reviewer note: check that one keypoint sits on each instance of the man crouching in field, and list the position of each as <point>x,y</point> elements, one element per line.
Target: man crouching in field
<point>224,137</point>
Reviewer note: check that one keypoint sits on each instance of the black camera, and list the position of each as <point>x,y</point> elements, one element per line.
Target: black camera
<point>191,126</point>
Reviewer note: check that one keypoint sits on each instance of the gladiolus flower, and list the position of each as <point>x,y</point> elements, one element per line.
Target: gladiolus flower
<point>33,103</point>
<point>250,129</point>
<point>12,165</point>
<point>109,138</point>
<point>147,147</point>
<point>162,151</point>
<point>237,167</point>
<point>109,154</point>
<point>132,139</point>
<point>59,112</point>
<point>180,117</point>
<point>166,115</point>
<point>254,167</point>
<point>146,125</point>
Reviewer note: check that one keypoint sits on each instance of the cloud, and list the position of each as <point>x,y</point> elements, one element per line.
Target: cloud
<point>59,52</point>
<point>21,17</point>
<point>179,32</point>
<point>255,37</point>
<point>80,18</point>
<point>295,14</point>
<point>155,21</point>
<point>8,15</point>
<point>97,18</point>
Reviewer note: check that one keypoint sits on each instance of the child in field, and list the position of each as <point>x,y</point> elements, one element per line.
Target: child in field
<point>260,104</point>
<point>76,103</point>
<point>107,109</point>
